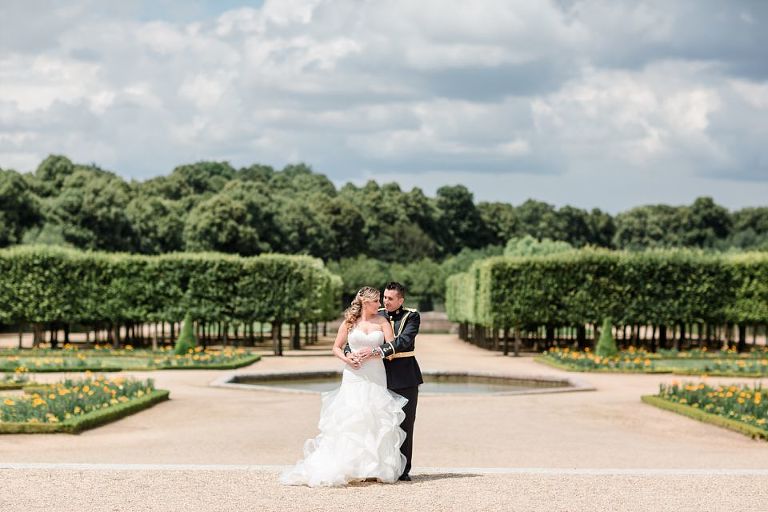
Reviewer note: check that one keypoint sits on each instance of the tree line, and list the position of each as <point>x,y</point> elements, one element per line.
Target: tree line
<point>211,206</point>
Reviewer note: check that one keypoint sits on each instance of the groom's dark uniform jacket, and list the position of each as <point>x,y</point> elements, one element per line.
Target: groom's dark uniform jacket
<point>399,362</point>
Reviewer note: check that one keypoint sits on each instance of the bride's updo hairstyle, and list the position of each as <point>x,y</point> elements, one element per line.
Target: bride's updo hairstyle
<point>355,310</point>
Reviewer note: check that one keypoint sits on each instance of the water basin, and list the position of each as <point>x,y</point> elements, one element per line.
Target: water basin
<point>435,383</point>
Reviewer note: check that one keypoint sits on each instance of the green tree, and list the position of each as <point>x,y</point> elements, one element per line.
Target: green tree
<point>346,225</point>
<point>460,221</point>
<point>91,210</point>
<point>239,219</point>
<point>706,223</point>
<point>538,219</point>
<point>501,220</point>
<point>19,208</point>
<point>358,272</point>
<point>529,246</point>
<point>157,224</point>
<point>51,174</point>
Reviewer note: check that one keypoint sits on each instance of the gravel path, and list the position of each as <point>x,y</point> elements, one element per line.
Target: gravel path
<point>630,456</point>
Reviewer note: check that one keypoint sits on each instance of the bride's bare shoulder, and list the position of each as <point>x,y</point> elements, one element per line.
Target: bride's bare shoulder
<point>379,320</point>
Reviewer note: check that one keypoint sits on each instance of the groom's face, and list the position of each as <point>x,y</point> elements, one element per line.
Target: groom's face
<point>392,300</point>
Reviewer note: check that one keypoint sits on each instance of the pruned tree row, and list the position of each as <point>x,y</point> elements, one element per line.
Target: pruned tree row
<point>659,298</point>
<point>55,288</point>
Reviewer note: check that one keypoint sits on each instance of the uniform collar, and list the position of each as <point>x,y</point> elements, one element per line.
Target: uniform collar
<point>396,313</point>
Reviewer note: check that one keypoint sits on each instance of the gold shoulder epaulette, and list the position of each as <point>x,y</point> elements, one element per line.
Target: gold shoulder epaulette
<point>382,309</point>
<point>411,310</point>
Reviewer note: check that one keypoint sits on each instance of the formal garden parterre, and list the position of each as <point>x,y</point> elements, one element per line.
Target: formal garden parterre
<point>738,407</point>
<point>73,405</point>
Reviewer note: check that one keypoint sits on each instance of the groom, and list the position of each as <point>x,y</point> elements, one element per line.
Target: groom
<point>403,373</point>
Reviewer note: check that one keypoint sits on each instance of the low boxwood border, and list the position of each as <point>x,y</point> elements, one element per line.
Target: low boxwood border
<point>61,369</point>
<point>91,419</point>
<point>239,363</point>
<point>706,417</point>
<point>8,386</point>
<point>569,368</point>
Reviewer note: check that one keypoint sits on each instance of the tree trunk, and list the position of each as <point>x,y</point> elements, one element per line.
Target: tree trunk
<point>581,337</point>
<point>296,336</point>
<point>225,333</point>
<point>742,346</point>
<point>116,335</point>
<point>21,335</point>
<point>663,336</point>
<point>517,341</point>
<point>679,341</point>
<point>277,339</point>
<point>506,340</point>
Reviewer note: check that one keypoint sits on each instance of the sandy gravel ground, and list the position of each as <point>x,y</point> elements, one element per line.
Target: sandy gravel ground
<point>628,455</point>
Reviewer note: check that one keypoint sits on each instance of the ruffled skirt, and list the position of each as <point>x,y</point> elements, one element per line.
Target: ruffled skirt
<point>360,438</point>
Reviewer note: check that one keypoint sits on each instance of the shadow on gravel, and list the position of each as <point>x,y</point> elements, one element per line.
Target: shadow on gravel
<point>441,476</point>
<point>416,479</point>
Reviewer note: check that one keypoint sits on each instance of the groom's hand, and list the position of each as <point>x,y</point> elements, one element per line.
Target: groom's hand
<point>362,355</point>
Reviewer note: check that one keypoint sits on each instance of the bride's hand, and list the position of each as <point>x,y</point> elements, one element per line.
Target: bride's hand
<point>353,360</point>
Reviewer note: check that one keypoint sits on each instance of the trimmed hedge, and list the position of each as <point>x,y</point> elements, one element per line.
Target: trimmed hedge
<point>43,285</point>
<point>580,287</point>
<point>698,414</point>
<point>89,420</point>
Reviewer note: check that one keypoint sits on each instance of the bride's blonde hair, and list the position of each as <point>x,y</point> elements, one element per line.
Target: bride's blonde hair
<point>355,310</point>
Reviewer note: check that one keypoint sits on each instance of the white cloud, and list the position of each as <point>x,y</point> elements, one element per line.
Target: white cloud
<point>583,92</point>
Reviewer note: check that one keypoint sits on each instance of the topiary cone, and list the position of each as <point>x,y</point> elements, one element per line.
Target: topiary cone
<point>187,339</point>
<point>606,345</point>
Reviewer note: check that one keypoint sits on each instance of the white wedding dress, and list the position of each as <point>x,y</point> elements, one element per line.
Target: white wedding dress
<point>360,434</point>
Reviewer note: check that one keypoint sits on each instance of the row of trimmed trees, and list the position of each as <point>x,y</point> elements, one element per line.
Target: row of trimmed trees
<point>656,298</point>
<point>53,288</point>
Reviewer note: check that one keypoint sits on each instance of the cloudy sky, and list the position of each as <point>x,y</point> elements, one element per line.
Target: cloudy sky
<point>603,104</point>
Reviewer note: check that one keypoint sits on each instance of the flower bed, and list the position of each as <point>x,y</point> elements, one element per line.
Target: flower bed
<point>632,361</point>
<point>731,364</point>
<point>103,360</point>
<point>74,405</point>
<point>737,407</point>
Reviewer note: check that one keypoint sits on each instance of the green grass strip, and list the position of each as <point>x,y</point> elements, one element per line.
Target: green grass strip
<point>5,386</point>
<point>61,369</point>
<point>91,419</point>
<point>239,363</point>
<point>563,366</point>
<point>706,417</point>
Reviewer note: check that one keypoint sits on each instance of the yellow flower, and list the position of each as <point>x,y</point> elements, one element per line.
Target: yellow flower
<point>8,401</point>
<point>52,396</point>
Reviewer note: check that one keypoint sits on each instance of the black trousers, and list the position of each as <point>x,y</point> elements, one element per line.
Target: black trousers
<point>412,394</point>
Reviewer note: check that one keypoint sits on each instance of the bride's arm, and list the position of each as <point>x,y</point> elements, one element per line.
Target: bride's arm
<point>389,335</point>
<point>338,346</point>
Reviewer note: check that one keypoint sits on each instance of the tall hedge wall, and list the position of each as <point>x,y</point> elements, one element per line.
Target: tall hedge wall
<point>44,285</point>
<point>579,287</point>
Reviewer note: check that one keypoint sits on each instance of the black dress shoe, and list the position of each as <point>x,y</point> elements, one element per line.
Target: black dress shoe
<point>405,478</point>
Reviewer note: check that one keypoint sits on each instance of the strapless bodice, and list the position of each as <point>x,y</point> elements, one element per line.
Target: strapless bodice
<point>358,339</point>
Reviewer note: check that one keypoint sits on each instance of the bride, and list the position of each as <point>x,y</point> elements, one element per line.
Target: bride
<point>360,434</point>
